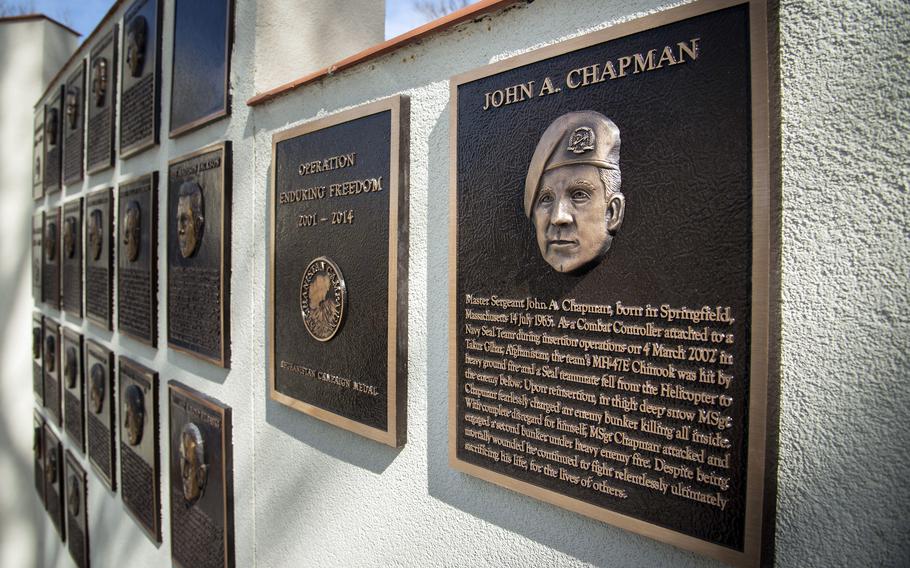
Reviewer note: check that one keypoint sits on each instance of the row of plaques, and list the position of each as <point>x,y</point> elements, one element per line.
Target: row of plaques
<point>75,126</point>
<point>80,238</point>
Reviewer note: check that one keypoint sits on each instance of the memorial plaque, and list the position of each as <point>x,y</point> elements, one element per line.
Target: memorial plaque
<point>53,141</point>
<point>102,100</point>
<point>37,256</point>
<point>137,259</point>
<point>76,510</point>
<point>50,270</point>
<point>201,63</point>
<point>38,453</point>
<point>338,265</point>
<point>138,394</point>
<point>201,480</point>
<point>38,155</point>
<point>100,422</point>
<point>53,480</point>
<point>72,257</point>
<point>140,89</point>
<point>73,388</point>
<point>99,254</point>
<point>38,357</point>
<point>53,391</point>
<point>609,305</point>
<point>199,254</point>
<point>74,126</point>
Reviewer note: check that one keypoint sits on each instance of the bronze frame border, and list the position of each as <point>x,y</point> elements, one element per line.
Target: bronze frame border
<point>49,104</point>
<point>55,414</point>
<point>39,217</point>
<point>96,50</point>
<point>48,216</point>
<point>153,255</point>
<point>109,324</point>
<point>38,319</point>
<point>102,353</point>
<point>760,303</point>
<point>63,211</point>
<point>38,188</point>
<point>78,340</point>
<point>48,436</point>
<point>75,468</point>
<point>395,434</point>
<point>75,182</point>
<point>38,422</point>
<point>142,145</point>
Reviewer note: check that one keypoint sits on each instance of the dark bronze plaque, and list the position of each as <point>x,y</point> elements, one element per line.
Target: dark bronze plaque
<point>72,257</point>
<point>74,126</point>
<point>38,453</point>
<point>338,293</point>
<point>202,63</point>
<point>198,254</point>
<point>53,141</point>
<point>99,409</point>
<point>38,357</point>
<point>201,480</point>
<point>37,256</point>
<point>73,377</point>
<point>102,100</point>
<point>140,89</point>
<point>99,254</point>
<point>609,304</point>
<point>53,389</point>
<point>76,510</point>
<point>38,155</point>
<point>53,479</point>
<point>138,395</point>
<point>50,270</point>
<point>137,259</point>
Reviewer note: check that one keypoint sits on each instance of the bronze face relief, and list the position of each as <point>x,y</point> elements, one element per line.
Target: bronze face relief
<point>50,241</point>
<point>69,367</point>
<point>99,81</point>
<point>136,41</point>
<point>190,218</point>
<point>95,233</point>
<point>72,107</point>
<point>96,394</point>
<point>134,414</point>
<point>50,470</point>
<point>69,237</point>
<point>73,496</point>
<point>193,467</point>
<point>322,295</point>
<point>51,127</point>
<point>50,353</point>
<point>131,231</point>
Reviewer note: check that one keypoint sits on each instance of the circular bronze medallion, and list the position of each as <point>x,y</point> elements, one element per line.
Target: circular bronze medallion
<point>322,296</point>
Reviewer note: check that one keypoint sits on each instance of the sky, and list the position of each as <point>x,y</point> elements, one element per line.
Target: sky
<point>84,15</point>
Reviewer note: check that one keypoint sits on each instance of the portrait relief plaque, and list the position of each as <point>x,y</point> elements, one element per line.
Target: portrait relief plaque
<point>50,271</point>
<point>53,390</point>
<point>102,98</point>
<point>609,303</point>
<point>74,126</point>
<point>140,86</point>
<point>76,510</point>
<point>38,357</point>
<point>201,480</point>
<point>53,479</point>
<point>198,254</point>
<point>72,257</point>
<point>338,258</point>
<point>100,421</point>
<point>137,259</point>
<point>53,141</point>
<point>138,394</point>
<point>73,388</point>
<point>99,254</point>
<point>200,93</point>
<point>38,155</point>
<point>38,453</point>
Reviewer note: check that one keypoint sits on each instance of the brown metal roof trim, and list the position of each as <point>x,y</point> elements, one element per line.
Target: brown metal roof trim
<point>25,17</point>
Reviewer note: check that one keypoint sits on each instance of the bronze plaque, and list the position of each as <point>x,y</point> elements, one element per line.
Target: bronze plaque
<point>73,388</point>
<point>76,510</point>
<point>53,141</point>
<point>74,126</point>
<point>53,390</point>
<point>201,479</point>
<point>102,100</point>
<point>38,454</point>
<point>99,407</point>
<point>71,240</point>
<point>37,256</point>
<point>200,92</point>
<point>50,270</point>
<point>53,479</point>
<point>38,155</point>
<point>137,259</point>
<point>38,356</point>
<point>199,254</point>
<point>138,394</point>
<point>139,85</point>
<point>99,254</point>
<point>609,305</point>
<point>338,266</point>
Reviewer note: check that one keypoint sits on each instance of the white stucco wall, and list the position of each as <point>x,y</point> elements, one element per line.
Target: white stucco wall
<point>309,494</point>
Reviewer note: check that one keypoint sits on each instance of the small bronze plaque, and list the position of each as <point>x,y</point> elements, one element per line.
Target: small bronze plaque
<point>202,63</point>
<point>53,390</point>
<point>73,388</point>
<point>137,259</point>
<point>99,407</point>
<point>138,393</point>
<point>99,254</point>
<point>74,126</point>
<point>37,256</point>
<point>72,257</point>
<point>201,480</point>
<point>53,141</point>
<point>38,155</point>
<point>51,253</point>
<point>38,453</point>
<point>76,510</point>
<point>198,254</point>
<point>102,100</point>
<point>53,479</point>
<point>608,303</point>
<point>140,88</point>
<point>38,357</point>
